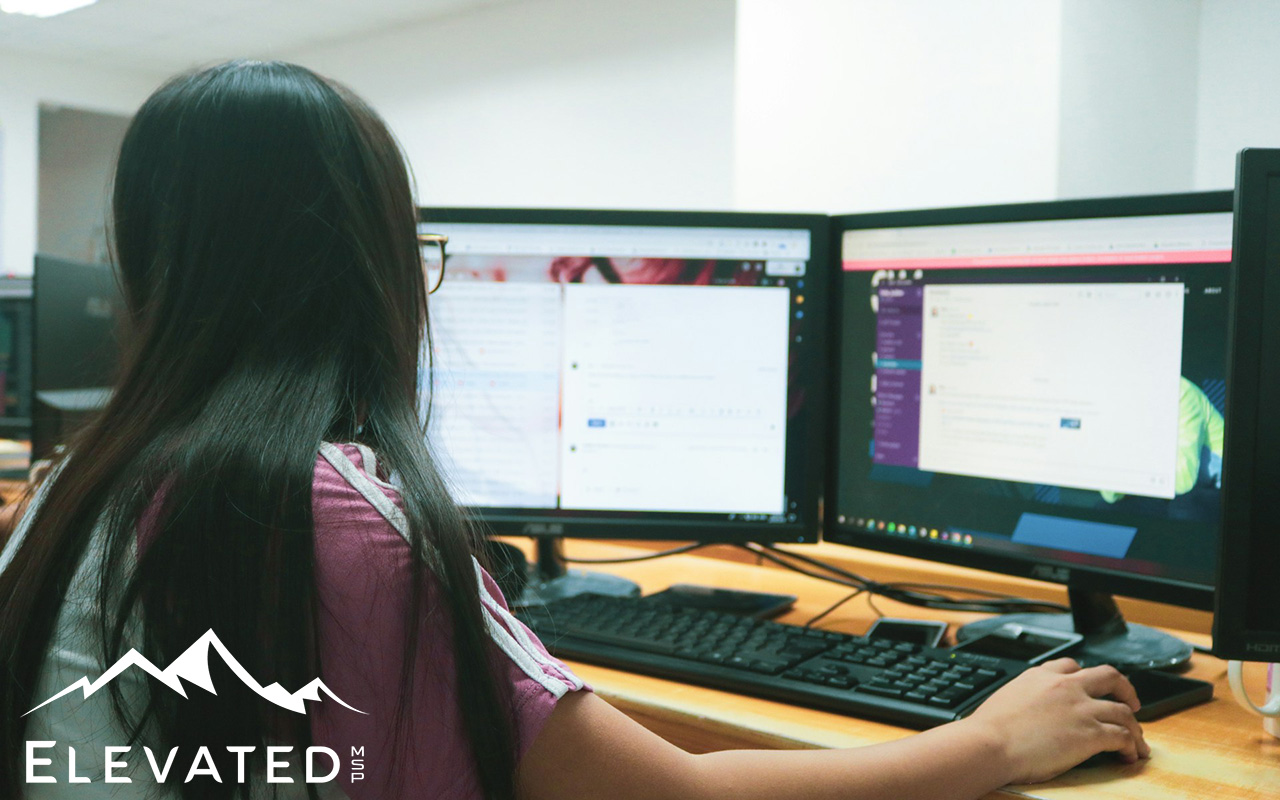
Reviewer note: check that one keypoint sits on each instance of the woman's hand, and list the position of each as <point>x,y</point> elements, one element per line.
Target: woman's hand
<point>1055,716</point>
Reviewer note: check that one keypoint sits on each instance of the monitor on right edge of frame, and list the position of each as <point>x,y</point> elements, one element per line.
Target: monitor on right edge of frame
<point>1246,620</point>
<point>1039,390</point>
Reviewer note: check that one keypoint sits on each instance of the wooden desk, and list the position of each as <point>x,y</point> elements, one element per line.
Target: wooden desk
<point>1216,750</point>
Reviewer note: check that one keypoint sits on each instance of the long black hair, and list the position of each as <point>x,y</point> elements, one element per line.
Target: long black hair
<point>264,234</point>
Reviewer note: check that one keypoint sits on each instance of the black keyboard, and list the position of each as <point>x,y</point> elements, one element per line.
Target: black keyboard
<point>897,682</point>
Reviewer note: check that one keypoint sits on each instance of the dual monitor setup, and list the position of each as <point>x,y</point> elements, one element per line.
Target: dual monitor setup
<point>1036,389</point>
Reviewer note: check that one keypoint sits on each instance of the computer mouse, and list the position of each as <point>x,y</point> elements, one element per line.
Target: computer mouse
<point>1105,758</point>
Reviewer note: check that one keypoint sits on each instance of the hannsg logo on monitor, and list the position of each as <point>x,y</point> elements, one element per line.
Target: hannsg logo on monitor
<point>192,666</point>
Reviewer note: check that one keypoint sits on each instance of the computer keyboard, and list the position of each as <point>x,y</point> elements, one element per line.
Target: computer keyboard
<point>879,679</point>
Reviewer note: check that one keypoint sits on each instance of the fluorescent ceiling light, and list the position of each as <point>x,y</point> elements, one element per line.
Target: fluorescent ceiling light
<point>42,8</point>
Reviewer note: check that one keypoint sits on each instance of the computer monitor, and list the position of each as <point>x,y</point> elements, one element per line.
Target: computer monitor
<point>1246,620</point>
<point>1039,390</point>
<point>76,306</point>
<point>619,374</point>
<point>15,357</point>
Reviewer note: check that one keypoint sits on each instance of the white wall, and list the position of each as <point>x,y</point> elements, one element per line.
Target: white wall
<point>850,105</point>
<point>1128,96</point>
<point>579,103</point>
<point>25,83</point>
<point>830,105</point>
<point>1239,85</point>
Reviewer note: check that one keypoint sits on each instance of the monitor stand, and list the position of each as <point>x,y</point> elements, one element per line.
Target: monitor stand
<point>550,579</point>
<point>1108,639</point>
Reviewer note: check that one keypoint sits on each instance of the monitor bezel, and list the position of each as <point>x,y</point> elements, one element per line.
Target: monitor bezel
<point>1078,576</point>
<point>549,522</point>
<point>1244,503</point>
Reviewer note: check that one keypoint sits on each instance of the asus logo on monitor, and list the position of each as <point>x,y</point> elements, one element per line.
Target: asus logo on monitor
<point>543,529</point>
<point>1047,573</point>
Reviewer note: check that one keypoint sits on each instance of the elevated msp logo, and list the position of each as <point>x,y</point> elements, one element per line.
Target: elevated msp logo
<point>192,667</point>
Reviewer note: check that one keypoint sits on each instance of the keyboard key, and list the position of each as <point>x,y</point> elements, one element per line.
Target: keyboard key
<point>767,667</point>
<point>881,691</point>
<point>806,646</point>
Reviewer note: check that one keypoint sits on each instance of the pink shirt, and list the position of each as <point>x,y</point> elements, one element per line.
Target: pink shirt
<point>362,577</point>
<point>362,573</point>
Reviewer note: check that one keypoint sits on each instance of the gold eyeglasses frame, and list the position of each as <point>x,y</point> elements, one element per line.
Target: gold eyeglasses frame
<point>439,240</point>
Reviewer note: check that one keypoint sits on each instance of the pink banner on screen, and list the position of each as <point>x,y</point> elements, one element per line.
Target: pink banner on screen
<point>1051,260</point>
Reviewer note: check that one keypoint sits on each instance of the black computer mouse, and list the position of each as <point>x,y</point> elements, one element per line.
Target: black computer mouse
<point>1106,757</point>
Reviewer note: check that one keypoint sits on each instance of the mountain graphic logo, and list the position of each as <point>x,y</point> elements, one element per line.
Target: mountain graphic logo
<point>193,667</point>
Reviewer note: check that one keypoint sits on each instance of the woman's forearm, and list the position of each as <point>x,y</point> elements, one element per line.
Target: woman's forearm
<point>1043,722</point>
<point>955,761</point>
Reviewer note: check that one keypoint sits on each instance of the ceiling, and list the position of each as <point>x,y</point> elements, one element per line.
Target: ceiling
<point>169,35</point>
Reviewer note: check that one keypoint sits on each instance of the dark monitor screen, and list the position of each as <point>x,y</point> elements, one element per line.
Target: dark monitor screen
<point>1246,621</point>
<point>631,374</point>
<point>15,357</point>
<point>1038,389</point>
<point>76,307</point>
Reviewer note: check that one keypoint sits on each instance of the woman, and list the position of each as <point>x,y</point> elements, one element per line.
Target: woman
<point>264,234</point>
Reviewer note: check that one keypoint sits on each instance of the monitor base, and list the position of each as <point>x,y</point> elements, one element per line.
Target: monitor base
<point>1126,646</point>
<point>550,579</point>
<point>575,582</point>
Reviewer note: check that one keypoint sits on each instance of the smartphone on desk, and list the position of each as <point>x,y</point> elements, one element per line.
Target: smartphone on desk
<point>1024,643</point>
<point>1162,693</point>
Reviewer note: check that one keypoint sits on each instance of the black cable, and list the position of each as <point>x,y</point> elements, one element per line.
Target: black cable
<point>833,607</point>
<point>921,594</point>
<point>660,554</point>
<point>767,556</point>
<point>907,592</point>
<point>833,569</point>
<point>925,595</point>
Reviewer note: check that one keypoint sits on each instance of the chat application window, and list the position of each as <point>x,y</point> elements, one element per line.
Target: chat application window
<point>1073,385</point>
